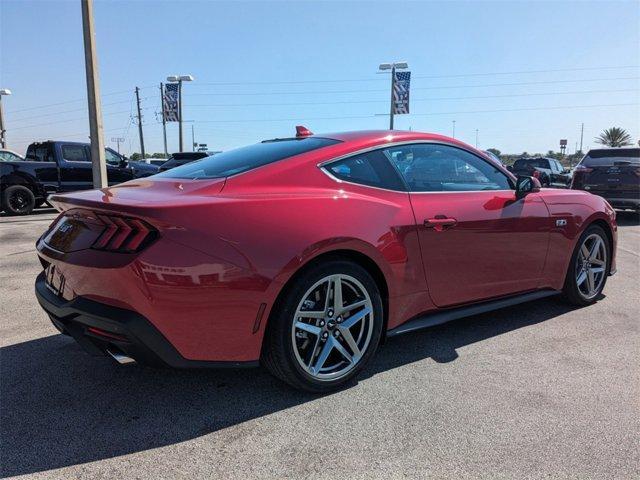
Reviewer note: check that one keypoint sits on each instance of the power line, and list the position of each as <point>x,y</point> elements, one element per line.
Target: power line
<point>545,82</point>
<point>73,101</point>
<point>458,75</point>
<point>69,111</point>
<point>342,102</point>
<point>293,119</point>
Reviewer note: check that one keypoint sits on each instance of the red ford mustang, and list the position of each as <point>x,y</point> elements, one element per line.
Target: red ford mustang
<point>304,253</point>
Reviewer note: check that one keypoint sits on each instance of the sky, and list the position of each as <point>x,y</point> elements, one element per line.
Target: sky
<point>518,76</point>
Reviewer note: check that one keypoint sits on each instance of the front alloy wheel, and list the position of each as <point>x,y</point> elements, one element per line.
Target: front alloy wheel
<point>589,267</point>
<point>326,327</point>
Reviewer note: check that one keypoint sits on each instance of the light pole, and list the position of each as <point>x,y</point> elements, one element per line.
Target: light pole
<point>392,66</point>
<point>453,130</point>
<point>476,138</point>
<point>3,132</point>
<point>180,79</point>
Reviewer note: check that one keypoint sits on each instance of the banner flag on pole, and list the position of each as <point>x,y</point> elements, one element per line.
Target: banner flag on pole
<point>170,103</point>
<point>401,93</point>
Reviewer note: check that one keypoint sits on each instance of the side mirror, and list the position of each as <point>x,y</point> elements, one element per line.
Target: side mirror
<point>510,168</point>
<point>123,162</point>
<point>526,185</point>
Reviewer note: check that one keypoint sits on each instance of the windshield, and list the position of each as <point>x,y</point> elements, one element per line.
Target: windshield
<point>612,156</point>
<point>242,159</point>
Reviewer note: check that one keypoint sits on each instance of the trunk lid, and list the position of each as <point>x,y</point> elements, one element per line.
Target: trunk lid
<point>142,194</point>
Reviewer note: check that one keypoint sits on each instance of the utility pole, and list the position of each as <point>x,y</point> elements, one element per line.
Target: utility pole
<point>98,163</point>
<point>164,121</point>
<point>393,84</point>
<point>581,136</point>
<point>180,113</point>
<point>3,131</point>
<point>476,138</point>
<point>140,123</point>
<point>453,133</point>
<point>193,139</point>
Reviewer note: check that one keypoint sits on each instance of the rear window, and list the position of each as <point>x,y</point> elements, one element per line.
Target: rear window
<point>533,162</point>
<point>246,158</point>
<point>612,156</point>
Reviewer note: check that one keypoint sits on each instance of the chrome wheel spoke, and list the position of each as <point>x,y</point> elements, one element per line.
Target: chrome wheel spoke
<point>343,351</point>
<point>307,327</point>
<point>595,249</point>
<point>309,314</point>
<point>322,358</point>
<point>353,306</point>
<point>581,278</point>
<point>337,293</point>
<point>597,261</point>
<point>348,338</point>
<point>591,282</point>
<point>356,317</point>
<point>584,251</point>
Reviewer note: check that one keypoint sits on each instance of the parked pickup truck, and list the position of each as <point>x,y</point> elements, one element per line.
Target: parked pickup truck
<point>548,170</point>
<point>52,167</point>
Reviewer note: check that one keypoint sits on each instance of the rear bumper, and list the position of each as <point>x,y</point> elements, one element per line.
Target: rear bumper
<point>101,328</point>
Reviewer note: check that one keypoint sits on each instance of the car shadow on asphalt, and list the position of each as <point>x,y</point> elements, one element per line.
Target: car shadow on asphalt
<point>60,407</point>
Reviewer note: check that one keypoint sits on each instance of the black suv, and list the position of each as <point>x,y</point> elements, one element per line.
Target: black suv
<point>612,173</point>
<point>548,170</point>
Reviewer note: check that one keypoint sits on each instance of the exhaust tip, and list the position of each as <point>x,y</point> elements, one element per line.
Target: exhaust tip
<point>120,358</point>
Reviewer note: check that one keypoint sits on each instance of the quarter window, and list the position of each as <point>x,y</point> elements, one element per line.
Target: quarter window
<point>74,153</point>
<point>441,168</point>
<point>371,168</point>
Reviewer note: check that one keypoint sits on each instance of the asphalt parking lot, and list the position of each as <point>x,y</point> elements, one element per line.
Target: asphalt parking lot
<point>538,390</point>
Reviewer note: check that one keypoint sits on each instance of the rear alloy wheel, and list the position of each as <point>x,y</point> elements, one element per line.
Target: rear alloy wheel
<point>18,200</point>
<point>589,267</point>
<point>328,329</point>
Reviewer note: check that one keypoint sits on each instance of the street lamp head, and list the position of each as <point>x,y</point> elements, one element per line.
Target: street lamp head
<point>173,78</point>
<point>5,91</point>
<point>389,66</point>
<point>186,78</point>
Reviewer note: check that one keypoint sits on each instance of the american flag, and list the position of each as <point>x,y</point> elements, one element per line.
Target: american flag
<point>170,103</point>
<point>401,92</point>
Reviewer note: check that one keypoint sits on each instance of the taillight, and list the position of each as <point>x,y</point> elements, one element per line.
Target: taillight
<point>582,169</point>
<point>124,234</point>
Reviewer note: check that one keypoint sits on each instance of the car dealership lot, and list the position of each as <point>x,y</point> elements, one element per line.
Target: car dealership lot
<point>536,390</point>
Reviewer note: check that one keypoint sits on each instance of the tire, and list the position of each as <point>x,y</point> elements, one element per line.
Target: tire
<point>18,200</point>
<point>314,358</point>
<point>578,282</point>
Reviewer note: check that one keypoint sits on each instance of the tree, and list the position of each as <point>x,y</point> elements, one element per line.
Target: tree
<point>614,137</point>
<point>495,151</point>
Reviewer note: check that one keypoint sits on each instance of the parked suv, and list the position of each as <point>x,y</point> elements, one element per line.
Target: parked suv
<point>612,173</point>
<point>548,170</point>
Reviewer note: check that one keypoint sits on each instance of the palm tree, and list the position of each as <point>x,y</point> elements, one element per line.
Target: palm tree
<point>614,137</point>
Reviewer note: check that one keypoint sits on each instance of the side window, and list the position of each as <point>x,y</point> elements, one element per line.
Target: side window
<point>371,168</point>
<point>74,153</point>
<point>111,157</point>
<point>441,168</point>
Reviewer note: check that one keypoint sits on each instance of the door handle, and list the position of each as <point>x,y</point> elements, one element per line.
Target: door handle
<point>440,222</point>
